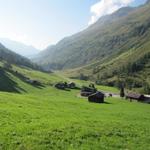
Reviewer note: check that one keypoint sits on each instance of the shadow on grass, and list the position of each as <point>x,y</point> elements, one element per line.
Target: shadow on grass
<point>39,85</point>
<point>100,103</point>
<point>107,103</point>
<point>23,78</point>
<point>65,89</point>
<point>7,84</point>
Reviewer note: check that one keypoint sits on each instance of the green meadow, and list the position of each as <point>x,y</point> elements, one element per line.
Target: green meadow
<point>45,118</point>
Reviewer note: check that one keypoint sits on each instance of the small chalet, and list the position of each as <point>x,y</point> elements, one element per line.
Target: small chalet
<point>87,91</point>
<point>61,86</point>
<point>134,96</point>
<point>72,85</point>
<point>97,97</point>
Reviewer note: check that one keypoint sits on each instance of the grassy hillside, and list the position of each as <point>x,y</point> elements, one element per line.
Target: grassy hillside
<point>14,79</point>
<point>43,118</point>
<point>48,118</point>
<point>134,72</point>
<point>131,67</point>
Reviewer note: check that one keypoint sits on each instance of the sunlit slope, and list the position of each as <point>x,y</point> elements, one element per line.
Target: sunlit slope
<point>14,79</point>
<point>54,119</point>
<point>133,66</point>
<point>43,117</point>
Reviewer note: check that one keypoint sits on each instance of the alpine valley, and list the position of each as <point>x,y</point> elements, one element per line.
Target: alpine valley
<point>116,47</point>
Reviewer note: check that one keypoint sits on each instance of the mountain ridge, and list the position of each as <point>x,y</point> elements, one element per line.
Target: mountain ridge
<point>20,48</point>
<point>11,57</point>
<point>80,43</point>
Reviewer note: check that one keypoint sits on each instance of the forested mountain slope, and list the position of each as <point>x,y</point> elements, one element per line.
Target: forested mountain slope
<point>131,68</point>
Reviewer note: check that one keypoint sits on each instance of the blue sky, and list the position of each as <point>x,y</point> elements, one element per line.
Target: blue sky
<point>44,22</point>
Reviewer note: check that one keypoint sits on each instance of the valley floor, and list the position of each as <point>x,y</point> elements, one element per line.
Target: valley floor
<point>48,118</point>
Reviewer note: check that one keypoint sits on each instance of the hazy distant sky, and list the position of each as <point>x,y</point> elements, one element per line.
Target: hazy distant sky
<point>44,22</point>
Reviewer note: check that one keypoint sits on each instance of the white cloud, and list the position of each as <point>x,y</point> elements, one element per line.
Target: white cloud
<point>104,7</point>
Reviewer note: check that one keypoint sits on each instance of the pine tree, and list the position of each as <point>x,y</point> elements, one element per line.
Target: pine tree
<point>122,93</point>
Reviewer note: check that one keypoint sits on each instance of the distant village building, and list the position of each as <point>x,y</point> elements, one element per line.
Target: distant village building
<point>65,85</point>
<point>97,97</point>
<point>72,85</point>
<point>34,82</point>
<point>87,91</point>
<point>139,97</point>
<point>61,86</point>
<point>135,96</point>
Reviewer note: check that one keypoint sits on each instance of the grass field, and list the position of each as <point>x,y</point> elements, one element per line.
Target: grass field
<point>46,118</point>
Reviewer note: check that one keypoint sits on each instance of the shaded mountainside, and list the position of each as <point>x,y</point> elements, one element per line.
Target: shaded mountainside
<point>19,48</point>
<point>16,70</point>
<point>13,58</point>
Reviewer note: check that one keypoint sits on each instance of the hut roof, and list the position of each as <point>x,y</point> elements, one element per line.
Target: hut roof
<point>97,97</point>
<point>135,96</point>
<point>148,96</point>
<point>88,89</point>
<point>98,93</point>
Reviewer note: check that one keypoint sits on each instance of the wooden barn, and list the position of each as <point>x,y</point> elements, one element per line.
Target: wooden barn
<point>61,86</point>
<point>97,97</point>
<point>71,85</point>
<point>87,91</point>
<point>135,96</point>
<point>147,99</point>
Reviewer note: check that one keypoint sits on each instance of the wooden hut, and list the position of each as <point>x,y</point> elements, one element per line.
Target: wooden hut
<point>97,97</point>
<point>147,99</point>
<point>135,96</point>
<point>61,86</point>
<point>72,85</point>
<point>87,91</point>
